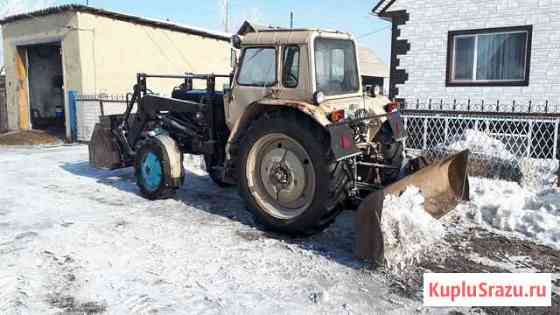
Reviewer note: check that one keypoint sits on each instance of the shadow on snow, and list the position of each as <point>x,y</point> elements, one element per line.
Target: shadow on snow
<point>336,243</point>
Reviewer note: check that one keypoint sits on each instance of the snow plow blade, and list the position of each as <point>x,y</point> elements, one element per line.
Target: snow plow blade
<point>367,224</point>
<point>443,184</point>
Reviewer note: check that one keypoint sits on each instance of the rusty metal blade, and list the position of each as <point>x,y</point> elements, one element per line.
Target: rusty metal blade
<point>104,151</point>
<point>443,184</point>
<point>367,222</point>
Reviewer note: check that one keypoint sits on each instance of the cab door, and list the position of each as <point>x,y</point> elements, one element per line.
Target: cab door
<point>294,84</point>
<point>255,79</point>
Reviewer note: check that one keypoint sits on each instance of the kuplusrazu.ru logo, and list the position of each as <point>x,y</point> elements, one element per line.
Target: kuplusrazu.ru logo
<point>485,289</point>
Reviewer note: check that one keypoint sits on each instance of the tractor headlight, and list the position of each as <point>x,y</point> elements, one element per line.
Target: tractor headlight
<point>319,97</point>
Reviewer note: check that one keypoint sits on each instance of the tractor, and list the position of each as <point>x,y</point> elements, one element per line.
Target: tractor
<point>292,129</point>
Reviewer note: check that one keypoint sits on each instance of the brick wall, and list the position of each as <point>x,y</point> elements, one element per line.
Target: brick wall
<point>427,31</point>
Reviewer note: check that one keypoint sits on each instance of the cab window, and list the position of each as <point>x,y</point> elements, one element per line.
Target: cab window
<point>290,72</point>
<point>336,71</point>
<point>258,67</point>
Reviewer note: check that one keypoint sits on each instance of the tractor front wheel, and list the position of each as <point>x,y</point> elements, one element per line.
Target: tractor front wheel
<point>159,168</point>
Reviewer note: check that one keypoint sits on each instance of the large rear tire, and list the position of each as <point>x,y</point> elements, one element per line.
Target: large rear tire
<point>287,176</point>
<point>154,170</point>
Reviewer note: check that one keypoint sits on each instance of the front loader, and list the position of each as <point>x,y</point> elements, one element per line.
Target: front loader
<point>293,130</point>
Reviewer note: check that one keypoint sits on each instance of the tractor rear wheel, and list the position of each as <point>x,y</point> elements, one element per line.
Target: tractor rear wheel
<point>287,175</point>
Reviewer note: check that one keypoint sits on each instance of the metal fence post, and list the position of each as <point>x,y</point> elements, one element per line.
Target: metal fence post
<point>446,129</point>
<point>425,134</point>
<point>72,115</point>
<point>101,108</point>
<point>555,146</point>
<point>555,151</point>
<point>405,128</point>
<point>529,139</point>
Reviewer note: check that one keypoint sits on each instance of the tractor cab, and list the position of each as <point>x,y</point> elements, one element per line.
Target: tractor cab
<point>310,68</point>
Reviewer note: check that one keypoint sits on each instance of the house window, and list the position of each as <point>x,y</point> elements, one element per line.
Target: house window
<point>258,67</point>
<point>490,57</point>
<point>290,72</point>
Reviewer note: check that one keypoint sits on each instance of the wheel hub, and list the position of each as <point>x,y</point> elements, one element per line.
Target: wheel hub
<point>280,175</point>
<point>151,171</point>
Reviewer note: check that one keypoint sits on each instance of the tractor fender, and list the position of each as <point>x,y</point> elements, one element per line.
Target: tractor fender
<point>173,155</point>
<point>254,110</point>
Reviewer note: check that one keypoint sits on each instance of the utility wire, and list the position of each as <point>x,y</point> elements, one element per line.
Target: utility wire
<point>161,50</point>
<point>374,32</point>
<point>179,51</point>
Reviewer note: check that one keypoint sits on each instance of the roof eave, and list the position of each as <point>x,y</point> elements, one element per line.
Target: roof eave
<point>381,7</point>
<point>114,15</point>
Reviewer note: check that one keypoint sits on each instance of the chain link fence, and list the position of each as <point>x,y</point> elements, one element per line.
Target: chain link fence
<point>519,148</point>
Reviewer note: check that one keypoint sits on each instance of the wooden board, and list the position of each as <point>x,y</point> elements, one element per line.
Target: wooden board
<point>23,93</point>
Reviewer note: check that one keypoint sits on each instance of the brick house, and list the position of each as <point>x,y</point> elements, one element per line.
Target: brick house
<point>507,50</point>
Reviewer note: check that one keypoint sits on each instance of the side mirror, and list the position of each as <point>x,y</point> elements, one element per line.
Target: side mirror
<point>236,41</point>
<point>369,90</point>
<point>374,91</point>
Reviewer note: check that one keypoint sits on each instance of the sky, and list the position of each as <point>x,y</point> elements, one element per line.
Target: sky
<point>351,16</point>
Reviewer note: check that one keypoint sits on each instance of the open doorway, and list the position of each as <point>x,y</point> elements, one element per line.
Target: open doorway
<point>46,88</point>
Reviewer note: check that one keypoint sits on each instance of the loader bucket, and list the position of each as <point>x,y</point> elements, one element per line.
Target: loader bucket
<point>104,150</point>
<point>443,184</point>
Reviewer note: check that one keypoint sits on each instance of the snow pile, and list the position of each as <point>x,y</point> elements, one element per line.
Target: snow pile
<point>409,232</point>
<point>491,158</point>
<point>506,207</point>
<point>481,143</point>
<point>538,173</point>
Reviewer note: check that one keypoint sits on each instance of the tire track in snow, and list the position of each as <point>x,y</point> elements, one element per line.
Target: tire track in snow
<point>13,297</point>
<point>16,284</point>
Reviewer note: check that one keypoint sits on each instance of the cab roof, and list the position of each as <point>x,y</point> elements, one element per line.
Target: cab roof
<point>289,36</point>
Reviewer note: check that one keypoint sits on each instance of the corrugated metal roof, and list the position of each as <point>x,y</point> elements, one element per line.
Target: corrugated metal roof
<point>371,65</point>
<point>118,16</point>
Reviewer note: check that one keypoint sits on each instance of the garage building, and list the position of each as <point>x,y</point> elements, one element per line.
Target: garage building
<point>56,52</point>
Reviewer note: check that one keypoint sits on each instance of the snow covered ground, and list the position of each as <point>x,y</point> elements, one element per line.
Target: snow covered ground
<point>77,239</point>
<point>74,238</point>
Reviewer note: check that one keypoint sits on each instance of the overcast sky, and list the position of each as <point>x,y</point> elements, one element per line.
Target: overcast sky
<point>352,16</point>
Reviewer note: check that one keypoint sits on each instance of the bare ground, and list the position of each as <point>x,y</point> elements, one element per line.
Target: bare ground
<point>28,137</point>
<point>500,255</point>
